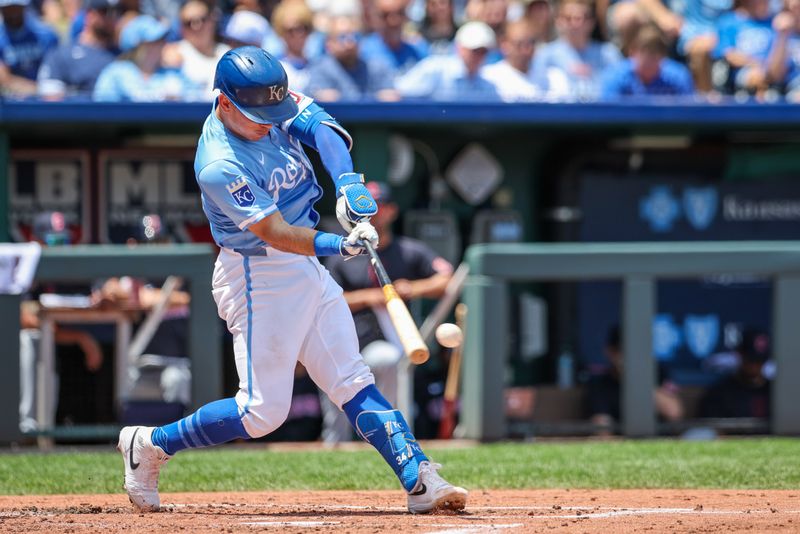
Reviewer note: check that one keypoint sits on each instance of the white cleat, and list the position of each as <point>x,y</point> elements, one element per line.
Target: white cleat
<point>433,493</point>
<point>143,461</point>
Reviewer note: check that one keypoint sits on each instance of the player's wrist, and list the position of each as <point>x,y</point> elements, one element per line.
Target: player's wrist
<point>347,178</point>
<point>327,244</point>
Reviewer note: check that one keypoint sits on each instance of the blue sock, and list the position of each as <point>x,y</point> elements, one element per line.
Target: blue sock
<point>384,428</point>
<point>214,423</point>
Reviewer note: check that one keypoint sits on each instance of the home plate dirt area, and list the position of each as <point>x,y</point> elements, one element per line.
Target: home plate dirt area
<point>579,511</point>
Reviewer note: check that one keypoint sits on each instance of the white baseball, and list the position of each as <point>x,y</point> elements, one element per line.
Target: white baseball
<point>449,335</point>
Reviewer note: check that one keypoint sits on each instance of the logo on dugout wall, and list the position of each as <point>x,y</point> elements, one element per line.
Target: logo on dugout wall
<point>700,334</point>
<point>661,208</point>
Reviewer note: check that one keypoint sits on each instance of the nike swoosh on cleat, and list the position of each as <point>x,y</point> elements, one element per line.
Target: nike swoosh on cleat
<point>134,465</point>
<point>420,491</point>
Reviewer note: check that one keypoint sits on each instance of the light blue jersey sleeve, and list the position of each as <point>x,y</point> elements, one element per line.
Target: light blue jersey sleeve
<point>228,187</point>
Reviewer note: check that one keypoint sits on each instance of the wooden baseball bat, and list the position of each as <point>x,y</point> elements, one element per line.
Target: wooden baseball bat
<point>413,345</point>
<point>447,423</point>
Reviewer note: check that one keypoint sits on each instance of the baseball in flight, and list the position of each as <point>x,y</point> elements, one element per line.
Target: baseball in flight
<point>449,335</point>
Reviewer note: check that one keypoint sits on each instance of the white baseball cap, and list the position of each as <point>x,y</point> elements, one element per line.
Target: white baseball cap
<point>246,27</point>
<point>474,35</point>
<point>6,3</point>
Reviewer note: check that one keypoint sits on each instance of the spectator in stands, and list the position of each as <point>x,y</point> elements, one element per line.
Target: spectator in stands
<point>494,13</point>
<point>511,76</point>
<point>72,69</point>
<point>388,43</point>
<point>457,77</point>
<point>128,10</point>
<point>783,67</point>
<point>438,27</point>
<point>648,71</point>
<point>24,42</point>
<point>166,11</point>
<point>343,74</point>
<point>246,28</point>
<point>138,75</point>
<point>539,14</point>
<point>744,43</point>
<point>59,15</point>
<point>745,393</point>
<point>197,53</point>
<point>694,26</point>
<point>417,271</point>
<point>573,64</point>
<point>620,21</point>
<point>294,23</point>
<point>604,390</point>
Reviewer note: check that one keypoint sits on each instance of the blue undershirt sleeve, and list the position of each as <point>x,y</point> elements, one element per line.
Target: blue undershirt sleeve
<point>332,151</point>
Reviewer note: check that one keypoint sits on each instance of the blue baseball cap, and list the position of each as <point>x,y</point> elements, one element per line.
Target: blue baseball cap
<point>142,29</point>
<point>7,3</point>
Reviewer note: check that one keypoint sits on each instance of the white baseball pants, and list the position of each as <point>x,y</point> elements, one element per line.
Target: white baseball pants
<point>283,308</point>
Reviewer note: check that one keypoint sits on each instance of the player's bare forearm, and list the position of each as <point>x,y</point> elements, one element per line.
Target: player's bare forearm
<point>431,287</point>
<point>281,235</point>
<point>360,299</point>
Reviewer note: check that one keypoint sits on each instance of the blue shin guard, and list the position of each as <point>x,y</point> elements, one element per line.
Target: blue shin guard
<point>383,427</point>
<point>212,424</point>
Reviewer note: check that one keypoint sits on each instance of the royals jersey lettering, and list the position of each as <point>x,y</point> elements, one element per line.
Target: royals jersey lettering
<point>242,181</point>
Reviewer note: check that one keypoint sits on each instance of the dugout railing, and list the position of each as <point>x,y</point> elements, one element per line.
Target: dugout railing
<point>638,265</point>
<point>85,263</point>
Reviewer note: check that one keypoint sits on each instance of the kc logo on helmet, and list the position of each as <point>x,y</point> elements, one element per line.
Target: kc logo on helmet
<point>277,92</point>
<point>241,193</point>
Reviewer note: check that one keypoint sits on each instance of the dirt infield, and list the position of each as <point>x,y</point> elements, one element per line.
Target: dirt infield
<point>584,511</point>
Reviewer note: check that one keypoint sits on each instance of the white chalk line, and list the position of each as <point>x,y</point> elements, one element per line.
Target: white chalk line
<point>458,529</point>
<point>309,524</point>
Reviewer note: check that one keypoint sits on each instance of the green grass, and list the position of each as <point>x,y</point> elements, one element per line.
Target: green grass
<point>769,463</point>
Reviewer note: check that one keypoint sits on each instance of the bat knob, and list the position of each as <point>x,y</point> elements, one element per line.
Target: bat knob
<point>419,356</point>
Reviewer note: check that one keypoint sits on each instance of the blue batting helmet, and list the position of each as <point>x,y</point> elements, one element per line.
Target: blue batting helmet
<point>256,83</point>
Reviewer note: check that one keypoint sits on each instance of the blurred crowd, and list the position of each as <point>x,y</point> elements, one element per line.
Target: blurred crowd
<point>388,50</point>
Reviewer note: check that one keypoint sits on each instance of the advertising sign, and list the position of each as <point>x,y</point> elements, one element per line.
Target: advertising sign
<point>696,318</point>
<point>41,181</point>
<point>136,182</point>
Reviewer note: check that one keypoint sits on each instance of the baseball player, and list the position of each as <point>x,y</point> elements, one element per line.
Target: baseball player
<point>258,191</point>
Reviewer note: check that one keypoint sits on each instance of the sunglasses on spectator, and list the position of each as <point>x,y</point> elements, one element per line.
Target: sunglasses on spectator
<point>195,23</point>
<point>349,37</point>
<point>523,43</point>
<point>305,28</point>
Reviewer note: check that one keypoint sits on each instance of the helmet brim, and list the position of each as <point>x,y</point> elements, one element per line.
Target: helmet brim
<point>272,114</point>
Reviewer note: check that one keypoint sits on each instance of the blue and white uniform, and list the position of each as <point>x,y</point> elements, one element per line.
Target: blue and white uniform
<point>280,307</point>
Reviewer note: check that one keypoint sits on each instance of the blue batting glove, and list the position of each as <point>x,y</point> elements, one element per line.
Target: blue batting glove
<point>354,203</point>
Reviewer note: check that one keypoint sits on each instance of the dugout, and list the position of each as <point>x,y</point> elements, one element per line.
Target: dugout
<point>548,164</point>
